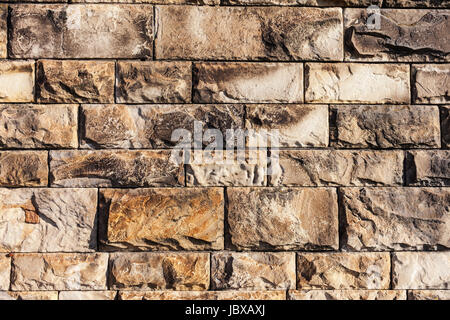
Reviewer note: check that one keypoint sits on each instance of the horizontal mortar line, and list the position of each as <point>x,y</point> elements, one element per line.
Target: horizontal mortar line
<point>234,150</point>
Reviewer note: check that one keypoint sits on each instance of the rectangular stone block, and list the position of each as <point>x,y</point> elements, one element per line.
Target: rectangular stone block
<point>16,80</point>
<point>38,126</point>
<point>59,271</point>
<point>152,126</point>
<point>153,82</point>
<point>48,220</point>
<point>347,295</point>
<point>296,125</point>
<point>418,3</point>
<point>320,3</point>
<point>382,219</point>
<point>3,30</point>
<point>187,2</point>
<point>402,35</point>
<point>87,295</point>
<point>227,168</point>
<point>163,219</point>
<point>5,271</point>
<point>235,82</point>
<point>342,270</point>
<point>338,168</point>
<point>445,126</point>
<point>253,270</point>
<point>356,83</point>
<point>28,295</point>
<point>160,271</point>
<point>106,168</point>
<point>203,295</point>
<point>428,168</point>
<point>238,33</point>
<point>428,294</point>
<point>75,81</point>
<point>421,270</point>
<point>283,218</point>
<point>81,31</point>
<point>385,127</point>
<point>431,82</point>
<point>23,168</point>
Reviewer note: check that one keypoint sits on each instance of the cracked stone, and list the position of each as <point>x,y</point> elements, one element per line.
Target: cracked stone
<point>431,83</point>
<point>163,219</point>
<point>16,80</point>
<point>23,168</point>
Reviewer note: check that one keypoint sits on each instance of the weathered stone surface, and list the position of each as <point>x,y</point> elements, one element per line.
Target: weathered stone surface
<point>296,125</point>
<point>75,81</point>
<point>158,271</point>
<point>87,295</point>
<point>386,127</point>
<point>3,30</point>
<point>429,295</point>
<point>106,168</point>
<point>445,126</point>
<point>38,126</point>
<point>325,3</point>
<point>404,35</point>
<point>253,270</point>
<point>48,220</point>
<point>431,82</point>
<point>16,80</point>
<point>57,271</point>
<point>81,31</point>
<point>338,168</point>
<point>5,271</point>
<point>421,270</point>
<point>347,295</point>
<point>428,168</point>
<point>161,219</point>
<point>28,295</point>
<point>395,218</point>
<point>343,270</point>
<point>283,218</point>
<point>121,126</point>
<point>187,2</point>
<point>248,168</point>
<point>227,33</point>
<point>23,168</point>
<point>154,82</point>
<point>357,83</point>
<point>248,82</point>
<point>418,3</point>
<point>203,295</point>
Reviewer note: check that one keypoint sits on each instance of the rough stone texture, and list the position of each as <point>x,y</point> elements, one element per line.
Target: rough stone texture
<point>160,271</point>
<point>418,3</point>
<point>429,168</point>
<point>5,271</point>
<point>386,127</point>
<point>203,295</point>
<point>48,220</point>
<point>81,31</point>
<point>226,33</point>
<point>445,126</point>
<point>325,3</point>
<point>75,81</point>
<point>106,168</point>
<point>338,168</point>
<point>253,270</point>
<point>188,2</point>
<point>297,125</point>
<point>431,82</point>
<point>283,219</point>
<point>347,295</point>
<point>357,83</point>
<point>23,168</point>
<point>161,219</point>
<point>16,80</point>
<point>429,295</point>
<point>343,270</point>
<point>3,30</point>
<point>87,295</point>
<point>404,35</point>
<point>421,270</point>
<point>248,82</point>
<point>57,271</point>
<point>121,126</point>
<point>29,295</point>
<point>248,169</point>
<point>395,219</point>
<point>154,82</point>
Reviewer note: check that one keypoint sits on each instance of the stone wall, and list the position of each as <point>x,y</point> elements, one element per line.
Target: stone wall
<point>94,206</point>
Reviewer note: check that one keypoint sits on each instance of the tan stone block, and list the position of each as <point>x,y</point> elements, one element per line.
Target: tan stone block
<point>428,294</point>
<point>428,168</point>
<point>23,168</point>
<point>203,295</point>
<point>16,81</point>
<point>347,295</point>
<point>431,83</point>
<point>5,271</point>
<point>28,295</point>
<point>87,295</point>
